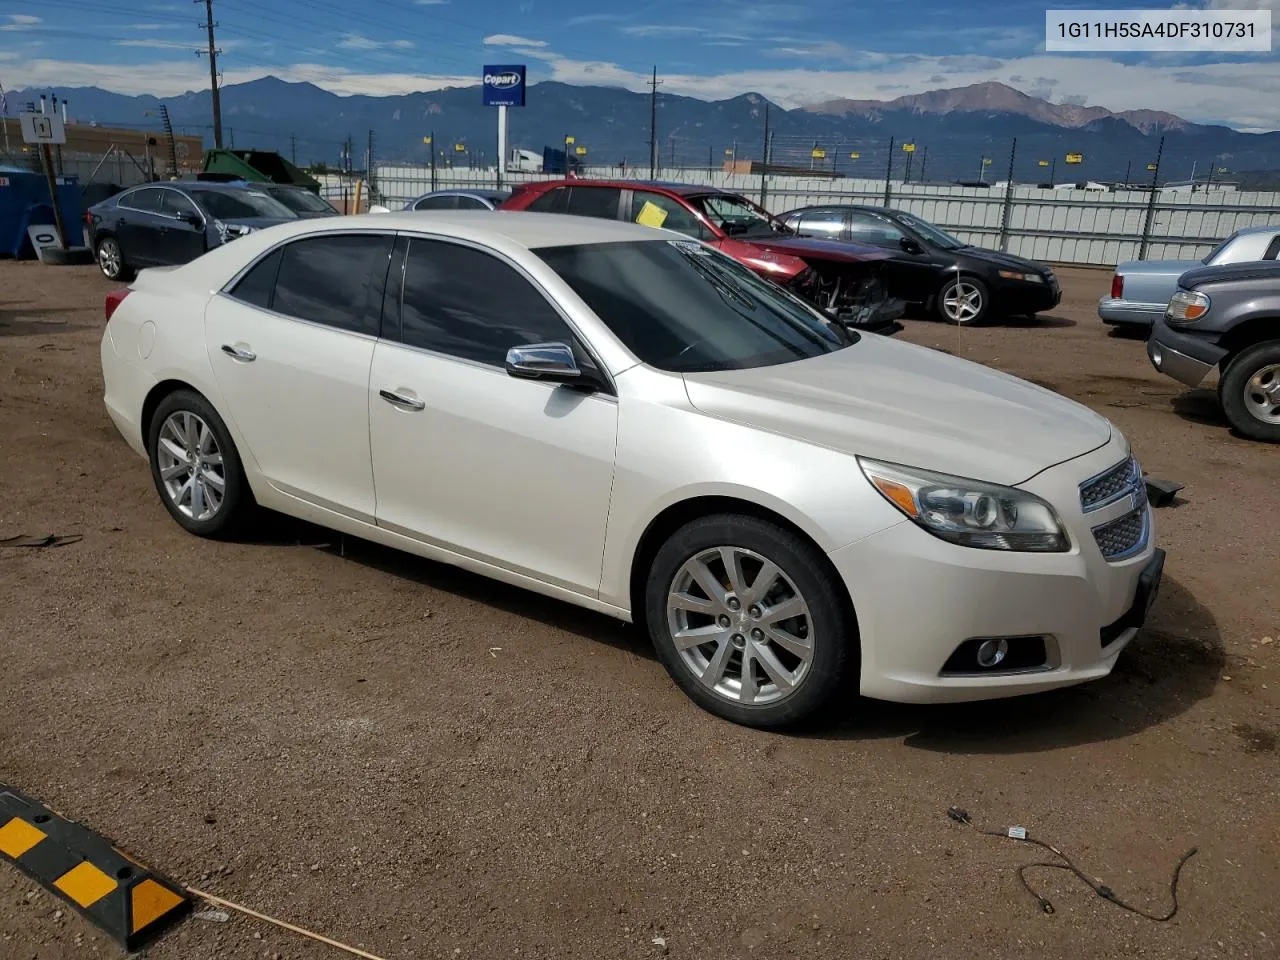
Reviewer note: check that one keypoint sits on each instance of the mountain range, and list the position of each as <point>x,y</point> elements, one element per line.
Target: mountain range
<point>953,129</point>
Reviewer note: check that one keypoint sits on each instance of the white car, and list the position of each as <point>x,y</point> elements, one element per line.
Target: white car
<point>628,420</point>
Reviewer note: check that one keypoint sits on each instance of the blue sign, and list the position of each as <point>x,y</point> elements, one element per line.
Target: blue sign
<point>504,86</point>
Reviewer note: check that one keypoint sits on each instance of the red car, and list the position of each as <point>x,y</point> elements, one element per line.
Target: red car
<point>841,278</point>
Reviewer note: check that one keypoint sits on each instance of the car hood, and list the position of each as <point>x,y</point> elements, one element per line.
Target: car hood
<point>812,248</point>
<point>1171,268</point>
<point>1000,260</point>
<point>907,404</point>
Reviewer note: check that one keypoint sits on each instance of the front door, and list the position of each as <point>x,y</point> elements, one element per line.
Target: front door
<point>508,471</point>
<point>182,239</point>
<point>913,273</point>
<point>291,346</point>
<point>140,226</point>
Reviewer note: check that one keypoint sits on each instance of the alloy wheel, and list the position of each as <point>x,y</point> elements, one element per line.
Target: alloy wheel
<point>191,467</point>
<point>109,259</point>
<point>962,302</point>
<point>1262,394</point>
<point>740,625</point>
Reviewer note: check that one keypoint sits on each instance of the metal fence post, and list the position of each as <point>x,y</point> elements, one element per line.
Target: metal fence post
<point>1008,199</point>
<point>764,164</point>
<point>1151,205</point>
<point>888,175</point>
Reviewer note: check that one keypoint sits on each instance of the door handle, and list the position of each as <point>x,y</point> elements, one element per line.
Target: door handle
<point>236,353</point>
<point>400,400</point>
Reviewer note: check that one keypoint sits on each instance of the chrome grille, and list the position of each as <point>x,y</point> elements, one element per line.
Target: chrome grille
<point>1110,486</point>
<point>1124,536</point>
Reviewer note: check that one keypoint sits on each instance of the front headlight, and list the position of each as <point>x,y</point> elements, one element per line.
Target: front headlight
<point>969,512</point>
<point>1186,306</point>
<point>1028,277</point>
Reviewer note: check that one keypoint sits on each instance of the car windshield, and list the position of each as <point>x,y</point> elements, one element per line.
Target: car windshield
<point>242,205</point>
<point>1217,251</point>
<point>300,200</point>
<point>737,216</point>
<point>937,237</point>
<point>683,307</point>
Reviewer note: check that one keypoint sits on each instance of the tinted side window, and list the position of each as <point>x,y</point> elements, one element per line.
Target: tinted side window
<point>175,204</point>
<point>599,202</point>
<point>256,287</point>
<point>659,210</point>
<point>868,228</point>
<point>471,203</point>
<point>822,223</point>
<point>553,201</point>
<point>148,199</point>
<point>435,203</point>
<point>335,280</point>
<point>465,303</point>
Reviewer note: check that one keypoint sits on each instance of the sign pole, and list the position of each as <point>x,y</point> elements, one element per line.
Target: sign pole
<point>46,160</point>
<point>502,142</point>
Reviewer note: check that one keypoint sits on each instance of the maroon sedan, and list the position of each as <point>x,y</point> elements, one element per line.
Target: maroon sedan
<point>841,278</point>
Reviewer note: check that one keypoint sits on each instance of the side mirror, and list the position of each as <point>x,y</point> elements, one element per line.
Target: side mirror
<point>191,218</point>
<point>543,361</point>
<point>379,208</point>
<point>909,245</point>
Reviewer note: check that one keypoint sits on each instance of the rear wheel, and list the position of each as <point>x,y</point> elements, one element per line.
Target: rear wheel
<point>1250,392</point>
<point>747,618</point>
<point>111,260</point>
<point>196,467</point>
<point>964,300</point>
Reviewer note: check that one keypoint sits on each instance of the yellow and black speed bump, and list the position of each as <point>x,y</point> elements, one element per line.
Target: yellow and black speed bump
<point>128,901</point>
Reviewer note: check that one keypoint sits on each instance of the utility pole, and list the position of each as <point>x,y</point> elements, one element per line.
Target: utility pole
<point>370,174</point>
<point>1128,167</point>
<point>1008,199</point>
<point>1053,170</point>
<point>293,149</point>
<point>433,160</point>
<point>764,162</point>
<point>213,73</point>
<point>924,159</point>
<point>888,174</point>
<point>653,124</point>
<point>1151,204</point>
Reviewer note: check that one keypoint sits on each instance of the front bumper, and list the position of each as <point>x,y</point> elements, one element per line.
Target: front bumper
<point>919,600</point>
<point>1017,297</point>
<point>1186,357</point>
<point>1129,312</point>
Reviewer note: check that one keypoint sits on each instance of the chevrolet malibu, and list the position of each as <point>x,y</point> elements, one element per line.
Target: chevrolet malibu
<point>628,420</point>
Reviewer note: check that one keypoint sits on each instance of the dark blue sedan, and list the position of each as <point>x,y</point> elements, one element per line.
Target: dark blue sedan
<point>163,224</point>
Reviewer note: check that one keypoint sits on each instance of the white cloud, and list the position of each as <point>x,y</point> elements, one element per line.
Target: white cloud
<point>511,40</point>
<point>20,21</point>
<point>596,18</point>
<point>355,41</point>
<point>662,30</point>
<point>154,44</point>
<point>430,3</point>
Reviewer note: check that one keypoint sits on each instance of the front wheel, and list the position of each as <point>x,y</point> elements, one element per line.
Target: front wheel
<point>1250,392</point>
<point>964,300</point>
<point>196,467</point>
<point>747,619</point>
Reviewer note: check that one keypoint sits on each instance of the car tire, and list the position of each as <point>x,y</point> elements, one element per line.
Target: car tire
<point>736,672</point>
<point>971,308</point>
<point>1249,392</point>
<point>111,261</point>
<point>196,467</point>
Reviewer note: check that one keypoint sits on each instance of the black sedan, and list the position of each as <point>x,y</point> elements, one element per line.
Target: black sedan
<point>960,282</point>
<point>163,224</point>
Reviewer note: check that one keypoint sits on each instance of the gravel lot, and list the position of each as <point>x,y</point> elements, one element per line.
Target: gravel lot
<point>413,760</point>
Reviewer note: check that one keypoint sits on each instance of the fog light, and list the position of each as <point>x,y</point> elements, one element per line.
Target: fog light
<point>992,652</point>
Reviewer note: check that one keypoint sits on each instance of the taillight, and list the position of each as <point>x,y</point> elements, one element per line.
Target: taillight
<point>114,299</point>
<point>88,219</point>
<point>1117,287</point>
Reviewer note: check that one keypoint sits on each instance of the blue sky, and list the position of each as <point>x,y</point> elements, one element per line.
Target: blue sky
<point>794,52</point>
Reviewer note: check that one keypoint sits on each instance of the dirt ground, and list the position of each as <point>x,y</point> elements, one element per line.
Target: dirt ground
<point>425,764</point>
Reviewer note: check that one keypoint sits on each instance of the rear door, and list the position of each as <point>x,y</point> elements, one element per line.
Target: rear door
<point>140,226</point>
<point>508,471</point>
<point>603,203</point>
<point>290,345</point>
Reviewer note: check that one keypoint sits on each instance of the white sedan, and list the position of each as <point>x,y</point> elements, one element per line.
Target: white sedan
<point>628,420</point>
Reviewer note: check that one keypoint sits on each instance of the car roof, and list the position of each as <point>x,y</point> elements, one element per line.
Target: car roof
<point>489,193</point>
<point>190,186</point>
<point>529,230</point>
<point>1249,231</point>
<point>667,186</point>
